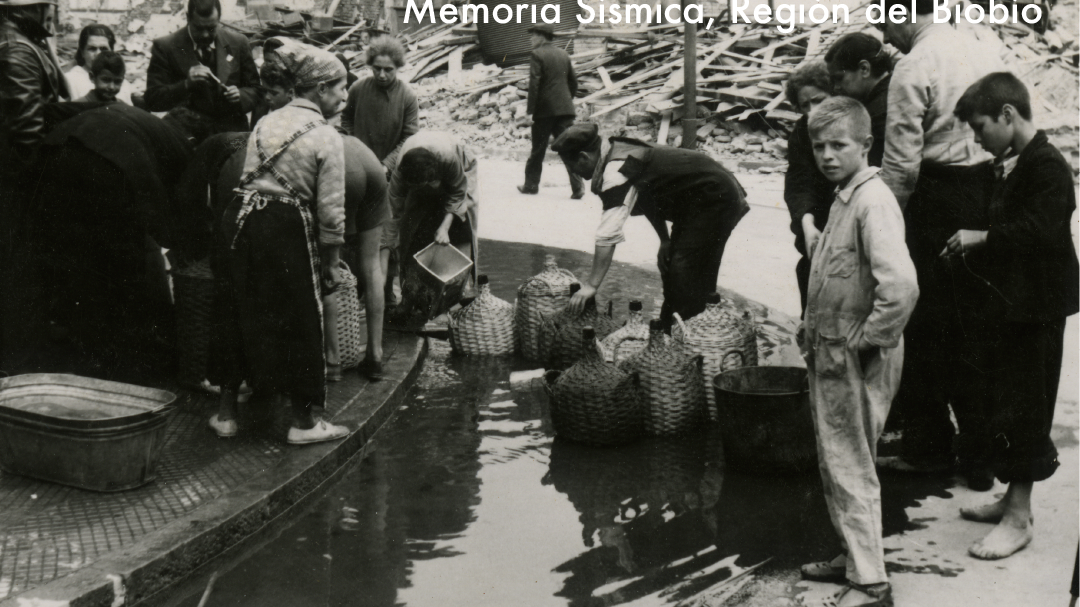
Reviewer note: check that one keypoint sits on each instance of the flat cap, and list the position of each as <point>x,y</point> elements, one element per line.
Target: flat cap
<point>542,28</point>
<point>576,138</point>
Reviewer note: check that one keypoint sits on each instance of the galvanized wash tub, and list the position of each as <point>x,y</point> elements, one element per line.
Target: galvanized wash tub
<point>765,419</point>
<point>88,433</point>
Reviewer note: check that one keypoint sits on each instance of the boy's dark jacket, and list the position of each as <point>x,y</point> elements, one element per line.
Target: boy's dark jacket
<point>1029,246</point>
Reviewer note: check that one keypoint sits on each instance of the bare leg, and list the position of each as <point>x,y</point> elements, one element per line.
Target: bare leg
<point>331,346</point>
<point>227,403</point>
<point>373,262</point>
<point>1015,529</point>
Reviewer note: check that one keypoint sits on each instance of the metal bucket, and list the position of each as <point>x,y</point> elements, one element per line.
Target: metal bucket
<point>765,419</point>
<point>87,433</point>
<point>445,270</point>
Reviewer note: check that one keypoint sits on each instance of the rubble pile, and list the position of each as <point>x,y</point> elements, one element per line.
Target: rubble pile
<point>631,81</point>
<point>633,84</point>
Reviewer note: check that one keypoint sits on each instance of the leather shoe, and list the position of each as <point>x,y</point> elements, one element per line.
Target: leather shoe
<point>824,571</point>
<point>333,372</point>
<point>527,190</point>
<point>578,195</point>
<point>372,369</point>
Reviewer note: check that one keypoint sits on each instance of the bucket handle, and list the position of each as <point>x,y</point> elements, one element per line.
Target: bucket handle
<point>728,356</point>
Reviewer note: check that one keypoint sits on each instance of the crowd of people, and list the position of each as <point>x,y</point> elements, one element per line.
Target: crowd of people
<point>279,178</point>
<point>931,216</point>
<point>937,270</point>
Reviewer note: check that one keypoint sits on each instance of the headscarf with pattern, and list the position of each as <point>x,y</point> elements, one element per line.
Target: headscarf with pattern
<point>305,64</point>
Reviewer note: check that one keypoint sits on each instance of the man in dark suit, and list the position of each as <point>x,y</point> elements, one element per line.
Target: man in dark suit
<point>206,67</point>
<point>552,85</point>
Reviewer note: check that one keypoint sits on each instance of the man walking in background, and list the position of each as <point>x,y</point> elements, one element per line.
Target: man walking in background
<point>552,86</point>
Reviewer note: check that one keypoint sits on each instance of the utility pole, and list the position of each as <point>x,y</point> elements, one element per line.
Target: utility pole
<point>689,119</point>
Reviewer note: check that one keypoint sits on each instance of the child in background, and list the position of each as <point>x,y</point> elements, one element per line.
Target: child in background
<point>1034,271</point>
<point>862,291</point>
<point>107,73</point>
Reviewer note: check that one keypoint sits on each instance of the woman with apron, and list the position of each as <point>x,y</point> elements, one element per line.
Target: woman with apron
<point>283,231</point>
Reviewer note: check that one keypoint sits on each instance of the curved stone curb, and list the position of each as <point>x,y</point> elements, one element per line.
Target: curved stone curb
<point>166,556</point>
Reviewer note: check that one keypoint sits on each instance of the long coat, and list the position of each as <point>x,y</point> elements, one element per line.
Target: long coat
<point>174,55</point>
<point>552,82</point>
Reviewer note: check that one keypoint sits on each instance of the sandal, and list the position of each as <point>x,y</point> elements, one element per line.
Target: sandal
<point>880,595</point>
<point>824,571</point>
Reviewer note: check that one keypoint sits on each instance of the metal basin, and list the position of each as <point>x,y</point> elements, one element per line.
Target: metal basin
<point>87,433</point>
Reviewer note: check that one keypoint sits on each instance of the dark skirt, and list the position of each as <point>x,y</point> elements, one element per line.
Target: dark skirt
<point>278,307</point>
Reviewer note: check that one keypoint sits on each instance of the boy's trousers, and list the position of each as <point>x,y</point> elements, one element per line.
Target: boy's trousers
<point>850,397</point>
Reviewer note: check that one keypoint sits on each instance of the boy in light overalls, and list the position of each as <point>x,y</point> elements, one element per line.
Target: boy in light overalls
<point>862,291</point>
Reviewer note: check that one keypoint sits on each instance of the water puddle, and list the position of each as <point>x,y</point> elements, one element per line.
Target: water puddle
<point>467,500</point>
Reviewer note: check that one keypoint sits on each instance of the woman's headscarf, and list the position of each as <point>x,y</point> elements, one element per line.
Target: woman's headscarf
<point>305,64</point>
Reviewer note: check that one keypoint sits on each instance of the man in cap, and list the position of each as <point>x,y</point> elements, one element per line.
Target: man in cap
<point>702,200</point>
<point>206,67</point>
<point>552,86</point>
<point>940,177</point>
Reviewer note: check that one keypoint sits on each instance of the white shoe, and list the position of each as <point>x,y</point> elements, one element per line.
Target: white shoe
<point>224,429</point>
<point>322,431</point>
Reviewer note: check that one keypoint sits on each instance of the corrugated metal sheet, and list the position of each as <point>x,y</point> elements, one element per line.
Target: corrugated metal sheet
<point>507,44</point>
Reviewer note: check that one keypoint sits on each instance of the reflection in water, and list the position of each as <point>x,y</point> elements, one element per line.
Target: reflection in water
<point>465,499</point>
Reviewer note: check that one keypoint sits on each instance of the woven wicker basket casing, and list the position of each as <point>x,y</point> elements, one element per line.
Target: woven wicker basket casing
<point>672,385</point>
<point>594,402</point>
<point>725,339</point>
<point>632,337</point>
<point>193,289</point>
<point>542,295</point>
<point>560,335</point>
<point>350,322</point>
<point>485,326</point>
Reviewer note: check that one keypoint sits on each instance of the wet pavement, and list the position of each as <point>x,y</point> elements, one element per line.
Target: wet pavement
<point>60,543</point>
<point>466,498</point>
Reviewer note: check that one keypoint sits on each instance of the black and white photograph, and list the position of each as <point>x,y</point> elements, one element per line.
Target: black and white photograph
<point>573,303</point>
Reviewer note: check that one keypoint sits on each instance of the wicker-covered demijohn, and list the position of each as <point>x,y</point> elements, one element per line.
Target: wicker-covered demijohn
<point>632,337</point>
<point>485,326</point>
<point>542,295</point>
<point>726,340</point>
<point>560,335</point>
<point>193,289</point>
<point>350,321</point>
<point>672,384</point>
<point>594,402</point>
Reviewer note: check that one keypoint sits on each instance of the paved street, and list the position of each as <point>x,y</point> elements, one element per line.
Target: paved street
<point>929,565</point>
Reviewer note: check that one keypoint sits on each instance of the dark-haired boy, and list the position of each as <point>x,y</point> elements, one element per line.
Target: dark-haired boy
<point>107,73</point>
<point>862,292</point>
<point>1032,265</point>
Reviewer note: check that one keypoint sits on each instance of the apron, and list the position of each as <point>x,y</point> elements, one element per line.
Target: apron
<point>254,200</point>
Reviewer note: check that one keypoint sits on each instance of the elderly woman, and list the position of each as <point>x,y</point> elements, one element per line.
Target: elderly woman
<point>807,192</point>
<point>860,68</point>
<point>100,217</point>
<point>284,228</point>
<point>93,39</point>
<point>434,198</point>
